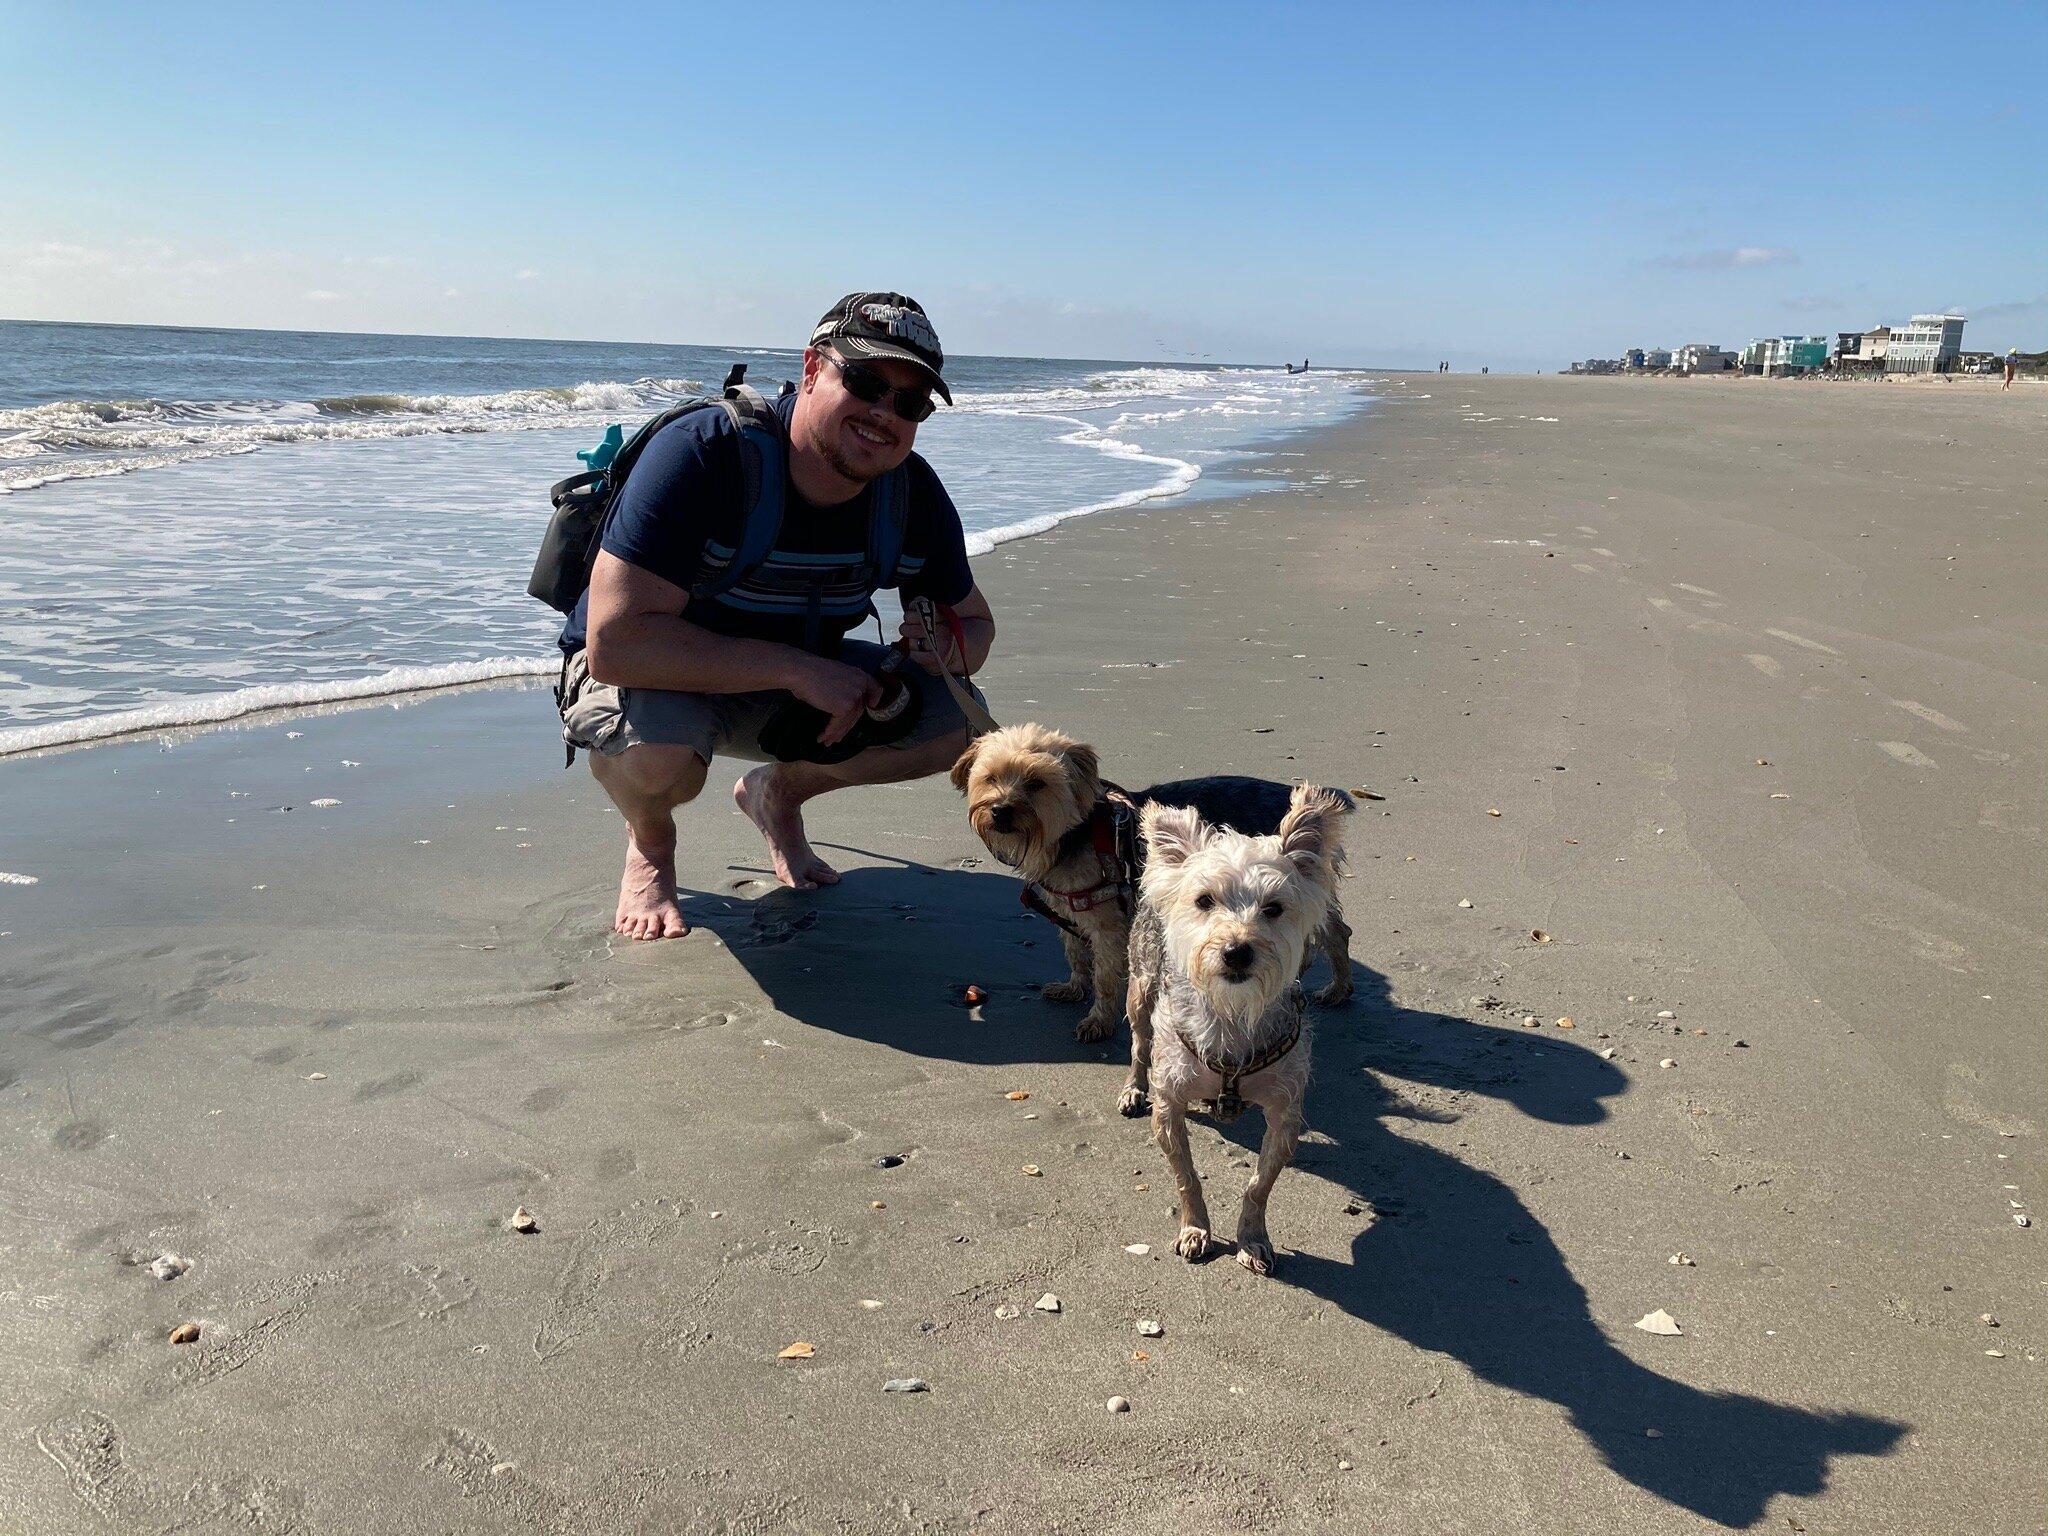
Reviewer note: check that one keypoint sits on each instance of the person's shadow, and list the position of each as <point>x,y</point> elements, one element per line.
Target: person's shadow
<point>1452,1261</point>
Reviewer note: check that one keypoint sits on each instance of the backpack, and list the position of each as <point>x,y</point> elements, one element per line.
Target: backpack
<point>584,502</point>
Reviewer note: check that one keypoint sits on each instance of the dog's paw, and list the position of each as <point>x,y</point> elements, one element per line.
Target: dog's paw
<point>1194,1244</point>
<point>1335,995</point>
<point>1133,1102</point>
<point>1064,991</point>
<point>1094,1028</point>
<point>1255,1252</point>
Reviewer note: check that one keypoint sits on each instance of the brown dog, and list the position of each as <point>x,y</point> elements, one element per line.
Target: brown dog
<point>1037,800</point>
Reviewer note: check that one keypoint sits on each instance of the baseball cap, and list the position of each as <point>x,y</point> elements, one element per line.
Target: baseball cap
<point>888,325</point>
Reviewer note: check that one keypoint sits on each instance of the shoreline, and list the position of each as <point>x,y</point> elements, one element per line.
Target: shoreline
<point>324,1051</point>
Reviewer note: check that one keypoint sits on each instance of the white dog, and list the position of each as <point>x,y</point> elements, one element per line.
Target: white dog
<point>1223,924</point>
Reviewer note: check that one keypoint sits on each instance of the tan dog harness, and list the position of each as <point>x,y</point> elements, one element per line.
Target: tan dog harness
<point>1227,1105</point>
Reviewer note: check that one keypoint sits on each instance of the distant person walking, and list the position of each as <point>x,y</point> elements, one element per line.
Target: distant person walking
<point>2012,368</point>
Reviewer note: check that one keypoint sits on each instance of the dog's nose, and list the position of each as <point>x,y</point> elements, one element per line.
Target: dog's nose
<point>1001,818</point>
<point>1238,957</point>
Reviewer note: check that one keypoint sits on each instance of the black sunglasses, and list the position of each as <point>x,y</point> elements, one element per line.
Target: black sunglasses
<point>869,387</point>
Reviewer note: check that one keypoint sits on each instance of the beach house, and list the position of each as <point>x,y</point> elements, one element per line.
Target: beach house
<point>1928,344</point>
<point>1702,357</point>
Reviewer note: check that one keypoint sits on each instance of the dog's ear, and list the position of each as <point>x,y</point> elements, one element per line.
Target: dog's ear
<point>1173,834</point>
<point>1086,770</point>
<point>964,765</point>
<point>1312,831</point>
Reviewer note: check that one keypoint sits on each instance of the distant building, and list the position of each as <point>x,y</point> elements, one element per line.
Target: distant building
<point>1701,357</point>
<point>1632,358</point>
<point>1656,357</point>
<point>1775,356</point>
<point>1847,344</point>
<point>1928,344</point>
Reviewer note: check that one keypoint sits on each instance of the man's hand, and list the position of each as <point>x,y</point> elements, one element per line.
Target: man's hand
<point>932,652</point>
<point>835,689</point>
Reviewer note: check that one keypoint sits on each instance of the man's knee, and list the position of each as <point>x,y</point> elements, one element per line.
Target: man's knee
<point>653,770</point>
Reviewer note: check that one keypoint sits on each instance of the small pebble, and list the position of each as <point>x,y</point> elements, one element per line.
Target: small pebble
<point>878,1205</point>
<point>316,1077</point>
<point>1530,1021</point>
<point>889,1161</point>
<point>500,1468</point>
<point>1666,1013</point>
<point>1343,1466</point>
<point>1607,1054</point>
<point>168,1266</point>
<point>1119,1405</point>
<point>1987,1319</point>
<point>1465,903</point>
<point>1016,1095</point>
<point>1140,1249</point>
<point>905,1384</point>
<point>1653,1434</point>
<point>973,995</point>
<point>185,1333</point>
<point>869,1304</point>
<point>1008,1312</point>
<point>1667,1062</point>
<point>1031,1170</point>
<point>1047,1303</point>
<point>1683,1259</point>
<point>522,1221</point>
<point>2022,1221</point>
<point>1566,1023</point>
<point>1149,1328</point>
<point>1995,1354</point>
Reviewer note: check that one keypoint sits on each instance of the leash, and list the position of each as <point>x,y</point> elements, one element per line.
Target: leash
<point>979,721</point>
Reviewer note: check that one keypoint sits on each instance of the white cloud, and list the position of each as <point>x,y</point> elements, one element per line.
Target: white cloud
<point>322,295</point>
<point>526,274</point>
<point>1727,259</point>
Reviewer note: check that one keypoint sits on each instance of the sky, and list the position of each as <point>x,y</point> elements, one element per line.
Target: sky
<point>1514,186</point>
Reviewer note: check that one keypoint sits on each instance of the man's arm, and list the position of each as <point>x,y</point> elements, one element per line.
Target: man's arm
<point>637,637</point>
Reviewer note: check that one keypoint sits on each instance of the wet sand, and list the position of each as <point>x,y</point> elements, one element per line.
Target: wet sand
<point>324,1051</point>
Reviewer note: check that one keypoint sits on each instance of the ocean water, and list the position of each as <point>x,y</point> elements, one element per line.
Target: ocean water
<point>197,524</point>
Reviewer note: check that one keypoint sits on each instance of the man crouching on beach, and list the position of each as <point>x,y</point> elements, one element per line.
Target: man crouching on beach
<point>656,685</point>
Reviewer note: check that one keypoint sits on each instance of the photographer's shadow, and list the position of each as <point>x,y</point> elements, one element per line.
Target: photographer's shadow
<point>1456,1264</point>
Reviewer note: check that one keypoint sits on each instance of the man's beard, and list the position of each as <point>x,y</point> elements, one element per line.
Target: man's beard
<point>830,451</point>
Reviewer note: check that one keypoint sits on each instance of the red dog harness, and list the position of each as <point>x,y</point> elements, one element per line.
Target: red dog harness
<point>1112,831</point>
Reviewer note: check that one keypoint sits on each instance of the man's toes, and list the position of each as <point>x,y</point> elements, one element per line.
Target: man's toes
<point>1193,1243</point>
<point>673,924</point>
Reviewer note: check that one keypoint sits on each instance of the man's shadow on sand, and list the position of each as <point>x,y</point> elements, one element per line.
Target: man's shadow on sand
<point>1453,1262</point>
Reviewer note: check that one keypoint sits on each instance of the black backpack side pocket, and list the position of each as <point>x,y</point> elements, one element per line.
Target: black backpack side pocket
<point>562,569</point>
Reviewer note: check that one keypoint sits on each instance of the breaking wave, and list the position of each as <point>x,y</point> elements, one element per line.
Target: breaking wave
<point>89,439</point>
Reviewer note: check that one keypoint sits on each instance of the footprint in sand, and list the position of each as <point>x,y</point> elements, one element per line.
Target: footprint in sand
<point>1770,666</point>
<point>1933,717</point>
<point>1907,753</point>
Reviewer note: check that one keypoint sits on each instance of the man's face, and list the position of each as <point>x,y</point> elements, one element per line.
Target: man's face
<point>861,442</point>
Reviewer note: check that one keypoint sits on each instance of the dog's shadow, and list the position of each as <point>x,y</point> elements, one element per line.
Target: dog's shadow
<point>1451,1261</point>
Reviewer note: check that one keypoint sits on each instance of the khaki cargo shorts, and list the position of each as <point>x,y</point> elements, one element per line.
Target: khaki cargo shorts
<point>600,718</point>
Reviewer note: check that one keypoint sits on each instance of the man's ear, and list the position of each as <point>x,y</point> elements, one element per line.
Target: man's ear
<point>1173,834</point>
<point>964,765</point>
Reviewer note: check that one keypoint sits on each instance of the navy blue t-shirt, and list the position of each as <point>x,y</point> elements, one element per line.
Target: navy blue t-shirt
<point>680,517</point>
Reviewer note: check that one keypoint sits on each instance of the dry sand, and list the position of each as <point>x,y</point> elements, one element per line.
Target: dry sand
<point>324,1051</point>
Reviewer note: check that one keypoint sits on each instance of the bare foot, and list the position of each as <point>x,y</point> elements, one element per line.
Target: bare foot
<point>797,865</point>
<point>647,897</point>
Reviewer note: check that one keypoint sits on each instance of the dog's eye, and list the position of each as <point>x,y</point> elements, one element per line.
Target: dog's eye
<point>1204,902</point>
<point>1033,784</point>
<point>1271,911</point>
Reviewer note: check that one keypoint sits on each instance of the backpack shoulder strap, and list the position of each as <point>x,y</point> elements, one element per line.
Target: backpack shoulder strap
<point>763,456</point>
<point>888,519</point>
